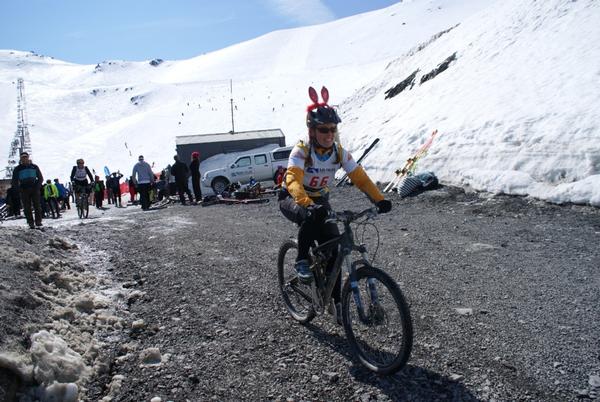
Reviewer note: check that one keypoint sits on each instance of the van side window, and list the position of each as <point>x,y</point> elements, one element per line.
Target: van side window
<point>243,162</point>
<point>260,159</point>
<point>281,155</point>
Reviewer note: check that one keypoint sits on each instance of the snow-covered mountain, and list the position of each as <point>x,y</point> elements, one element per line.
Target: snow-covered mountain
<point>517,107</point>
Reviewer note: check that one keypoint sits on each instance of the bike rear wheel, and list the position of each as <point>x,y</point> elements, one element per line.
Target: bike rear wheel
<point>296,295</point>
<point>380,332</point>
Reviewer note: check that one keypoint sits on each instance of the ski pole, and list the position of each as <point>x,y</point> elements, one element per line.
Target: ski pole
<point>343,179</point>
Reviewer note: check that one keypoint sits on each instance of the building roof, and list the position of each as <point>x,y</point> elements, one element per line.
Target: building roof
<point>226,137</point>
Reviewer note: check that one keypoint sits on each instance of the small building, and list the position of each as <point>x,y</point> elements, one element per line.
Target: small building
<point>222,143</point>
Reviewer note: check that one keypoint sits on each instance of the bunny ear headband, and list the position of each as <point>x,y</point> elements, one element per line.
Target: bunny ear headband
<point>312,93</point>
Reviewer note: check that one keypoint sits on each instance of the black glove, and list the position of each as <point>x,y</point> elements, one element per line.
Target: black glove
<point>383,206</point>
<point>317,213</point>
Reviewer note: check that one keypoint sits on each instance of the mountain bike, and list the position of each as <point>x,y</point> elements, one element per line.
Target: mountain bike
<point>82,201</point>
<point>375,315</point>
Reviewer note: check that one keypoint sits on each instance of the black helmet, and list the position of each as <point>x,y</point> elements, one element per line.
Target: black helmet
<point>322,115</point>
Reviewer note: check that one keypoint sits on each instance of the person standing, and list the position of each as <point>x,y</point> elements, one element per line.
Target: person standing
<point>132,190</point>
<point>63,195</point>
<point>13,200</point>
<point>98,191</point>
<point>144,177</point>
<point>115,186</point>
<point>28,178</point>
<point>181,172</point>
<point>51,196</point>
<point>109,193</point>
<point>171,185</point>
<point>279,175</point>
<point>195,172</point>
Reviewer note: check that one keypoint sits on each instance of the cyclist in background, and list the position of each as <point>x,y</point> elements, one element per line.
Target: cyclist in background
<point>79,175</point>
<point>304,198</point>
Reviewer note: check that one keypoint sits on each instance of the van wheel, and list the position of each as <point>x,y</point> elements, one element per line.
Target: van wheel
<point>219,185</point>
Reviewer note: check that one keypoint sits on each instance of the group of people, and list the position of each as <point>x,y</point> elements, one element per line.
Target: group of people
<point>172,180</point>
<point>40,199</point>
<point>100,190</point>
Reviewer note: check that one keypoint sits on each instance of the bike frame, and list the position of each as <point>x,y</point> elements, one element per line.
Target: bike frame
<point>321,294</point>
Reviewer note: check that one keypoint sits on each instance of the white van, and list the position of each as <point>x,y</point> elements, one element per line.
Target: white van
<point>260,166</point>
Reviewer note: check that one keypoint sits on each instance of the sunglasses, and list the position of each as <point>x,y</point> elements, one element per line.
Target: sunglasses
<point>327,130</point>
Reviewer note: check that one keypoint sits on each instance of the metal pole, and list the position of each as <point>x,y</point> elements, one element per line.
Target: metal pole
<point>231,100</point>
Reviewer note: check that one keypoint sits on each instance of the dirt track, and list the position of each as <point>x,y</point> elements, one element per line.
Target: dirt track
<point>528,271</point>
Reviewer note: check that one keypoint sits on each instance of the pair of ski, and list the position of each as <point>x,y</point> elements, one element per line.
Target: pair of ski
<point>410,165</point>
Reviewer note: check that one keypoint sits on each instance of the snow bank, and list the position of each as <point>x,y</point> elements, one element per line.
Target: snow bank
<point>82,303</point>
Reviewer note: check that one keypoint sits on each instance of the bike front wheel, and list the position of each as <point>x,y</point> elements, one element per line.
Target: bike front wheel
<point>377,321</point>
<point>80,209</point>
<point>296,295</point>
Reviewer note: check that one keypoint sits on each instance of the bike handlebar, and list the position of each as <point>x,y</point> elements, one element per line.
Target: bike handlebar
<point>351,216</point>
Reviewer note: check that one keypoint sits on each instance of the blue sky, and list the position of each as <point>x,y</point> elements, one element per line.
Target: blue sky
<point>90,31</point>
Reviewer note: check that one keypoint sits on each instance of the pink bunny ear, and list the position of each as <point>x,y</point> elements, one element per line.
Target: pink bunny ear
<point>312,93</point>
<point>325,94</point>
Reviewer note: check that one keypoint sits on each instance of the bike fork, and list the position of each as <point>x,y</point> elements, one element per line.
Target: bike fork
<point>317,302</point>
<point>372,290</point>
<point>360,308</point>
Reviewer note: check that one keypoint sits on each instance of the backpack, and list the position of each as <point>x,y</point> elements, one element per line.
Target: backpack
<point>416,184</point>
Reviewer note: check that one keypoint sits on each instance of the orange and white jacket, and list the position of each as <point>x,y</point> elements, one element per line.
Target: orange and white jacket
<point>305,181</point>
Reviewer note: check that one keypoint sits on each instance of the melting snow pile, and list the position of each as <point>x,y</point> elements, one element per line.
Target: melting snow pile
<point>54,298</point>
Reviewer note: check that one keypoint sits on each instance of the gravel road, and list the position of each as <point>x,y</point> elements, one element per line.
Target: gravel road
<point>504,295</point>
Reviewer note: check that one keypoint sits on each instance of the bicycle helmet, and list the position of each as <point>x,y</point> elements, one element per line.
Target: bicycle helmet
<point>322,115</point>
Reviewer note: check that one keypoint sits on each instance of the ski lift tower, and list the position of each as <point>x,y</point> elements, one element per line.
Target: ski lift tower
<point>21,141</point>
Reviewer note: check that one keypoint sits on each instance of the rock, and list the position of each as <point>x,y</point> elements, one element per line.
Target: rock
<point>464,311</point>
<point>314,378</point>
<point>332,377</point>
<point>85,304</point>
<point>62,244</point>
<point>456,377</point>
<point>156,399</point>
<point>150,356</point>
<point>594,381</point>
<point>138,324</point>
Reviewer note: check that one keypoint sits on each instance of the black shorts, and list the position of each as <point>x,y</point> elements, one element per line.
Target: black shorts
<point>294,212</point>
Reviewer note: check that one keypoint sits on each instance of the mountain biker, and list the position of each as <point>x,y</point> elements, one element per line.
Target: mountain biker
<point>79,175</point>
<point>304,198</point>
